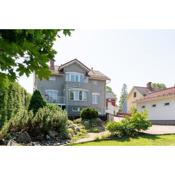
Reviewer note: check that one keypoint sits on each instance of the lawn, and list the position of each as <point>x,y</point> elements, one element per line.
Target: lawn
<point>142,140</point>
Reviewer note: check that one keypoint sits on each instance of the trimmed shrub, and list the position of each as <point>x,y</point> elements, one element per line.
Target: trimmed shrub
<point>36,102</point>
<point>88,114</point>
<point>130,126</point>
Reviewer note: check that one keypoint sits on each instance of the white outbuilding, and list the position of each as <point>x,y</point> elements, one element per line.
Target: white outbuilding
<point>160,106</point>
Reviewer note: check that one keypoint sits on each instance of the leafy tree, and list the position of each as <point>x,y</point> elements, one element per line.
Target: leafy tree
<point>36,102</point>
<point>158,86</point>
<point>109,89</point>
<point>123,98</point>
<point>26,51</point>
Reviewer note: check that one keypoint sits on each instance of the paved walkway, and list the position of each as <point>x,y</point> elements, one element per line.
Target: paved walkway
<point>155,129</point>
<point>161,129</point>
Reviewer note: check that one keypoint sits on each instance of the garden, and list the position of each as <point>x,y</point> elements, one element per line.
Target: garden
<point>29,120</point>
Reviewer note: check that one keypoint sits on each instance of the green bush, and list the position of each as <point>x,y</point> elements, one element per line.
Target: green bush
<point>88,113</point>
<point>130,126</point>
<point>20,122</point>
<point>46,119</point>
<point>36,102</point>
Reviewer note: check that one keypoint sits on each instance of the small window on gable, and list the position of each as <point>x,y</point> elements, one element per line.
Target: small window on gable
<point>135,94</point>
<point>167,104</point>
<point>143,107</point>
<point>154,105</point>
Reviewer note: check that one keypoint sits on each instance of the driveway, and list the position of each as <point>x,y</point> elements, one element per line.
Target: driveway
<point>161,129</point>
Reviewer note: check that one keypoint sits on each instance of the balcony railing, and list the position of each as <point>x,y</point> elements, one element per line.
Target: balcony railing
<point>55,99</point>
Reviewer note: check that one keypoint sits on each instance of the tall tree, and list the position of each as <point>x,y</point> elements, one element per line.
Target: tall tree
<point>26,51</point>
<point>123,98</point>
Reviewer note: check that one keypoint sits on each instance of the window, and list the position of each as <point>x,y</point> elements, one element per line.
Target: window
<point>51,95</point>
<point>95,98</point>
<point>52,78</point>
<point>143,106</point>
<point>76,109</point>
<point>154,105</point>
<point>78,95</point>
<point>167,104</point>
<point>135,94</point>
<point>74,77</point>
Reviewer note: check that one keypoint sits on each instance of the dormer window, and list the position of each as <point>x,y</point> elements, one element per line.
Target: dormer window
<point>74,77</point>
<point>135,94</point>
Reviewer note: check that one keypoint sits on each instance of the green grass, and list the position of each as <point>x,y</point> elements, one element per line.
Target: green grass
<point>142,140</point>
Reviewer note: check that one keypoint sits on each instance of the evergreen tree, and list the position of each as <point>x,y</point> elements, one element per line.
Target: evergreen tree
<point>123,98</point>
<point>36,102</point>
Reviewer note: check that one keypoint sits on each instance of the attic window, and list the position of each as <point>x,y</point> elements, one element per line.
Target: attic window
<point>143,106</point>
<point>167,104</point>
<point>154,105</point>
<point>135,94</point>
<point>144,95</point>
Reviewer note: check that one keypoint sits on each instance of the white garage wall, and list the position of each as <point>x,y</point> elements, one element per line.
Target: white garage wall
<point>160,112</point>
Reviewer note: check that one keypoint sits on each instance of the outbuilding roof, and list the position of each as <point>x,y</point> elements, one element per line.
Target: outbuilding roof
<point>161,93</point>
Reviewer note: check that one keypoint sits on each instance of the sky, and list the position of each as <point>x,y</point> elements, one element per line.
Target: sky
<point>133,57</point>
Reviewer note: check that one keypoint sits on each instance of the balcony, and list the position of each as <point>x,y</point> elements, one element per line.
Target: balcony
<point>55,99</point>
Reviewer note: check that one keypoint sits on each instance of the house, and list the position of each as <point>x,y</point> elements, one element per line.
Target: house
<point>74,86</point>
<point>137,93</point>
<point>160,106</point>
<point>111,103</point>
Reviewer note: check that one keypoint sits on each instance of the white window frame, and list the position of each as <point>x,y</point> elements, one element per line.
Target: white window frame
<point>95,98</point>
<point>75,77</point>
<point>78,109</point>
<point>76,95</point>
<point>51,91</point>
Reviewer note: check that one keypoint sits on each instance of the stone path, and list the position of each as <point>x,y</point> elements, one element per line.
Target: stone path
<point>91,137</point>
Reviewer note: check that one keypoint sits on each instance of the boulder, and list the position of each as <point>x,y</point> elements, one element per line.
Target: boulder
<point>12,143</point>
<point>53,134</point>
<point>23,137</point>
<point>77,129</point>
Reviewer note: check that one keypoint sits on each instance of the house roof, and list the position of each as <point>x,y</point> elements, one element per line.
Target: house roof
<point>93,74</point>
<point>73,61</point>
<point>97,75</point>
<point>143,90</point>
<point>161,93</point>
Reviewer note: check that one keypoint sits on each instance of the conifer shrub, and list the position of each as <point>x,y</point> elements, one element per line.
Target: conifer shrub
<point>36,102</point>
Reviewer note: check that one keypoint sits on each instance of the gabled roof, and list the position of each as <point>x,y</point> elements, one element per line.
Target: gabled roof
<point>93,74</point>
<point>97,75</point>
<point>72,62</point>
<point>143,90</point>
<point>161,93</point>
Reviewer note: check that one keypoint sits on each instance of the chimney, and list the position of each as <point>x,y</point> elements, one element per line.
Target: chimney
<point>52,64</point>
<point>149,86</point>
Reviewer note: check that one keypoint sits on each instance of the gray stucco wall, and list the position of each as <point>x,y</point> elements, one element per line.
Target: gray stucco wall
<point>63,87</point>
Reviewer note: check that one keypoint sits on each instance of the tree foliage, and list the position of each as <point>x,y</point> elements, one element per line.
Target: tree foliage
<point>158,86</point>
<point>123,97</point>
<point>25,51</point>
<point>36,102</point>
<point>109,89</point>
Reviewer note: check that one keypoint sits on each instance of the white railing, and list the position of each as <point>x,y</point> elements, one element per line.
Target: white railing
<point>56,99</point>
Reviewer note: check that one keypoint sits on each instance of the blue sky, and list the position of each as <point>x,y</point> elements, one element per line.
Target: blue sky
<point>134,57</point>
